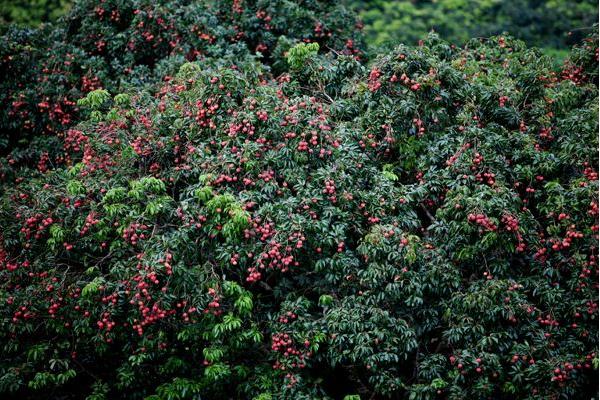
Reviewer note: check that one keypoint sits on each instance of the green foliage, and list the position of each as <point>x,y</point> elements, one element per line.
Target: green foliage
<point>548,24</point>
<point>421,226</point>
<point>94,99</point>
<point>114,45</point>
<point>299,54</point>
<point>32,12</point>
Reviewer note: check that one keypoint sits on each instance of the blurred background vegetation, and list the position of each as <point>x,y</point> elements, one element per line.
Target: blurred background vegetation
<point>552,25</point>
<point>32,12</point>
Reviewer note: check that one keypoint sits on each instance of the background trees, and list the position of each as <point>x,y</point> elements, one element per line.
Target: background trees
<point>551,25</point>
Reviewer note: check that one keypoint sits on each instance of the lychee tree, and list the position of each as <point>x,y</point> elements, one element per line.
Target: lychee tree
<point>423,226</point>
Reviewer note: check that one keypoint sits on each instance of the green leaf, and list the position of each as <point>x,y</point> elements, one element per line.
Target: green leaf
<point>325,300</point>
<point>93,287</point>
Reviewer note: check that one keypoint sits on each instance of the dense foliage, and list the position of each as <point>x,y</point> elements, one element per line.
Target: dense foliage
<point>118,43</point>
<point>209,221</point>
<point>32,12</point>
<point>547,24</point>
